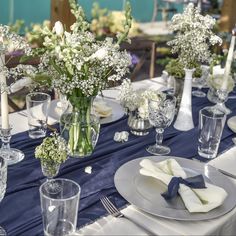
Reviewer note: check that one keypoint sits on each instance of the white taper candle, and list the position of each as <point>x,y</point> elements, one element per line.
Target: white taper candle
<point>228,62</point>
<point>4,101</point>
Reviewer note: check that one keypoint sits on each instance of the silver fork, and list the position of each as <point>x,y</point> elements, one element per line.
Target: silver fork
<point>112,210</point>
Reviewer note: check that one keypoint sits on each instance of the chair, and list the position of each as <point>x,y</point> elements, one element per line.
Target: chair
<point>12,61</point>
<point>146,50</point>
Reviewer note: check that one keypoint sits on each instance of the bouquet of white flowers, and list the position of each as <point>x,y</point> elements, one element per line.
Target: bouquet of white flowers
<point>194,36</point>
<point>11,42</point>
<point>76,63</point>
<point>137,99</point>
<point>79,66</point>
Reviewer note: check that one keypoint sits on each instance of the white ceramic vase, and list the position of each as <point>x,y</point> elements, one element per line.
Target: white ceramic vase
<point>184,120</point>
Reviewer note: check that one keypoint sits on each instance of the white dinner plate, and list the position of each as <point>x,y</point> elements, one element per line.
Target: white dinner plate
<point>117,111</point>
<point>145,192</point>
<point>56,111</point>
<point>232,123</point>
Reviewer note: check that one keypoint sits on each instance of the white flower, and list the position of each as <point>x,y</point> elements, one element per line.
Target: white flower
<point>58,28</point>
<point>194,36</point>
<point>18,85</point>
<point>137,99</point>
<point>100,54</point>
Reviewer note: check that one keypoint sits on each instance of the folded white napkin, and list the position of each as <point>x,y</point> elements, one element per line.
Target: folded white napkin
<point>226,161</point>
<point>102,108</point>
<point>195,200</point>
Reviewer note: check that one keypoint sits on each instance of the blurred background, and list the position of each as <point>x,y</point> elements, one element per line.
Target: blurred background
<point>149,34</point>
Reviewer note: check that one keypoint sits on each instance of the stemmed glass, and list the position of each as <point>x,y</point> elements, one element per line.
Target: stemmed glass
<point>50,170</point>
<point>201,81</point>
<point>222,97</point>
<point>161,113</point>
<point>3,185</point>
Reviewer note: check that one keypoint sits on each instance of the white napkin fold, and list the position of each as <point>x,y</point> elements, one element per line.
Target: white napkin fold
<point>226,161</point>
<point>195,200</point>
<point>102,108</point>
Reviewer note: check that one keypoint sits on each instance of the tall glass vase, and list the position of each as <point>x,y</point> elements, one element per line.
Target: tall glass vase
<point>81,127</point>
<point>184,120</point>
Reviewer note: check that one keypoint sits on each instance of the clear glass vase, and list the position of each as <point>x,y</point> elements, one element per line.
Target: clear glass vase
<point>80,128</point>
<point>138,125</point>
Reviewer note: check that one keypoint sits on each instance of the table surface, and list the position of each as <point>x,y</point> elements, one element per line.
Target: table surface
<point>20,209</point>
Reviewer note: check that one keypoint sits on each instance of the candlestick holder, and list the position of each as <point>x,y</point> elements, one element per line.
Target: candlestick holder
<point>222,97</point>
<point>11,155</point>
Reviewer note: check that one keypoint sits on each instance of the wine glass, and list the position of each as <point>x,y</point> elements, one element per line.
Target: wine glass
<point>161,113</point>
<point>200,82</point>
<point>50,170</point>
<point>222,97</point>
<point>3,185</point>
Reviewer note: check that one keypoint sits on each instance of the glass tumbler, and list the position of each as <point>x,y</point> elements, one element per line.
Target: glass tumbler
<point>37,109</point>
<point>60,207</point>
<point>211,125</point>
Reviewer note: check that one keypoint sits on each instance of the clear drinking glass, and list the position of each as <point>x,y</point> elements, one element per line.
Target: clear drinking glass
<point>161,114</point>
<point>3,185</point>
<point>37,108</point>
<point>211,125</point>
<point>60,209</point>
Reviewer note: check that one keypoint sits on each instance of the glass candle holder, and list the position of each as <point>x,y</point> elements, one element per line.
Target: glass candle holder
<point>11,155</point>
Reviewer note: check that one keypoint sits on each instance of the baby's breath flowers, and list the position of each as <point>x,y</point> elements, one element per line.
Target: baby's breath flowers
<point>194,36</point>
<point>137,99</point>
<point>10,42</point>
<point>77,64</point>
<point>53,150</point>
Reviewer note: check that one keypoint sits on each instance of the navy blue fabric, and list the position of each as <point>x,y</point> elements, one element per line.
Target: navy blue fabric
<point>20,212</point>
<point>192,182</point>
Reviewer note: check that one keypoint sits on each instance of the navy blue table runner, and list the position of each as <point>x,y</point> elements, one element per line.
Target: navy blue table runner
<point>20,212</point>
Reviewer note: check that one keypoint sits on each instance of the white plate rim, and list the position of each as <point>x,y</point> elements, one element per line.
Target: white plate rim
<point>169,213</point>
<point>117,111</point>
<point>229,125</point>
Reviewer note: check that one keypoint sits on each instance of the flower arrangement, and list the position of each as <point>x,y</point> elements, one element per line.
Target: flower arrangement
<point>77,64</point>
<point>137,100</point>
<point>216,81</point>
<point>194,36</point>
<point>9,43</point>
<point>105,22</point>
<point>175,68</point>
<point>34,34</point>
<point>52,152</point>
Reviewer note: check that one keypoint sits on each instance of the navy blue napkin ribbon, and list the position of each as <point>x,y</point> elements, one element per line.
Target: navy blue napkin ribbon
<point>192,182</point>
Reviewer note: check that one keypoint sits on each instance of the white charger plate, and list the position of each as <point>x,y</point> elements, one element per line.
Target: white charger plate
<point>145,192</point>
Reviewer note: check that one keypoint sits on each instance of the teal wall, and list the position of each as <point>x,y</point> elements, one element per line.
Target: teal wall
<point>35,11</point>
<point>28,10</point>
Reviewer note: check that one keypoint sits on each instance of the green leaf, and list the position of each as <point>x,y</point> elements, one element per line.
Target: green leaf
<point>25,58</point>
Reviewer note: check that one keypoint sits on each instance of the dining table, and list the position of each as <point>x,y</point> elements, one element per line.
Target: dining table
<point>20,210</point>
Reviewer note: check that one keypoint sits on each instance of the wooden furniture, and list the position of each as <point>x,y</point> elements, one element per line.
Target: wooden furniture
<point>60,11</point>
<point>228,16</point>
<point>146,50</point>
<point>13,61</point>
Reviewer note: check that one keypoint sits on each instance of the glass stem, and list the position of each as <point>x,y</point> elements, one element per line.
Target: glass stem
<point>159,136</point>
<point>5,137</point>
